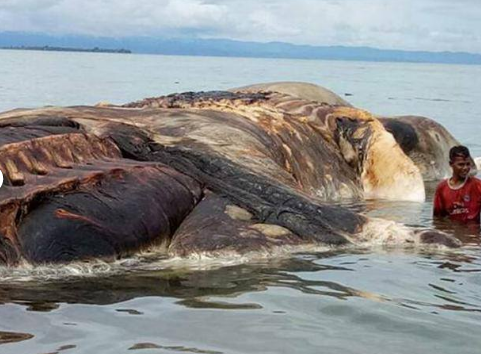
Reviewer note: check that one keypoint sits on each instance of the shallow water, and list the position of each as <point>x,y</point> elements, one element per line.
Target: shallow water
<point>354,300</point>
<point>343,302</point>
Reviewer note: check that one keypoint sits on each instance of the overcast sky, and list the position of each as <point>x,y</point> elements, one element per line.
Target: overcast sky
<point>435,25</point>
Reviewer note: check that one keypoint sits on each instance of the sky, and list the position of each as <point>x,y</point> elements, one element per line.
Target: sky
<point>432,25</point>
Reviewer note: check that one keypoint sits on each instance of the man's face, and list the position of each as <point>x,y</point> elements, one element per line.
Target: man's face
<point>461,167</point>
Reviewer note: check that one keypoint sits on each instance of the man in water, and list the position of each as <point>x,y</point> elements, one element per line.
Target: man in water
<point>459,197</point>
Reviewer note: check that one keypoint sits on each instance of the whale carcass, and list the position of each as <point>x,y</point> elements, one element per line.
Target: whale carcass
<point>196,173</point>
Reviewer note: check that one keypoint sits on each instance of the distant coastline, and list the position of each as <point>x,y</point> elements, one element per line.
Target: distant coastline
<point>67,49</point>
<point>225,48</point>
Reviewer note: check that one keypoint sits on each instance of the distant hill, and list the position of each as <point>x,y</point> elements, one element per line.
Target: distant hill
<point>47,48</point>
<point>231,48</point>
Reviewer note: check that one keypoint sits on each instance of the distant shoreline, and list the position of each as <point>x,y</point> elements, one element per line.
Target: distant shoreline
<point>67,49</point>
<point>226,48</point>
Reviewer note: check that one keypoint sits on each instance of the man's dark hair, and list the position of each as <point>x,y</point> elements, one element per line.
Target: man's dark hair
<point>460,150</point>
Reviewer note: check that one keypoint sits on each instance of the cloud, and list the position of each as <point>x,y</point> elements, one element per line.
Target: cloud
<point>404,24</point>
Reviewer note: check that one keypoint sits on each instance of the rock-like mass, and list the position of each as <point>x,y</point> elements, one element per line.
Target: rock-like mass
<point>210,173</point>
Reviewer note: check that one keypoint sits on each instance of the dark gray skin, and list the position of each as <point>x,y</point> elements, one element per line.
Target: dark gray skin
<point>426,142</point>
<point>84,182</point>
<point>219,218</point>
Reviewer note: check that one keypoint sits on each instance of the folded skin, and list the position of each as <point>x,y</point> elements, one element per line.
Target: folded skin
<point>72,196</point>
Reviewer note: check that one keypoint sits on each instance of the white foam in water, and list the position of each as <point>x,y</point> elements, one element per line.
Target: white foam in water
<point>151,260</point>
<point>381,232</point>
<point>209,260</point>
<point>28,272</point>
<point>376,232</point>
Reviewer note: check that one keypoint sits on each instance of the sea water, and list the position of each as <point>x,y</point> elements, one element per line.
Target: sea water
<point>356,300</point>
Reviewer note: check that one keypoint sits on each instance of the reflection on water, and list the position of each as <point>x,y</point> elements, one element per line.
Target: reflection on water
<point>172,348</point>
<point>468,234</point>
<point>183,284</point>
<point>11,337</point>
<point>62,348</point>
<point>281,304</point>
<point>196,289</point>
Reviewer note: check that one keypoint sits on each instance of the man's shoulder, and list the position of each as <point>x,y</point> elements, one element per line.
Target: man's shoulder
<point>477,182</point>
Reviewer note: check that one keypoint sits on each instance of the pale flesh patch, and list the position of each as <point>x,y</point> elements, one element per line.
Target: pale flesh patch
<point>387,172</point>
<point>271,230</point>
<point>237,213</point>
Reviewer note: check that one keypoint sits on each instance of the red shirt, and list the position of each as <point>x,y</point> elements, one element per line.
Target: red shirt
<point>462,204</point>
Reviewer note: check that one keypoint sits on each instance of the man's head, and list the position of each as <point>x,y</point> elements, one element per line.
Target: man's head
<point>460,161</point>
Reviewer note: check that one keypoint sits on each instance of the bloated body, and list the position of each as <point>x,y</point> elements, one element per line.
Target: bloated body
<point>83,182</point>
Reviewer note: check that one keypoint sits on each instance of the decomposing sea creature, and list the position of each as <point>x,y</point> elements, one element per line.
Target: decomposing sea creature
<point>198,173</point>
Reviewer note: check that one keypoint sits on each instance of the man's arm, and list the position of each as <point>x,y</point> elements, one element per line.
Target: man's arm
<point>478,196</point>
